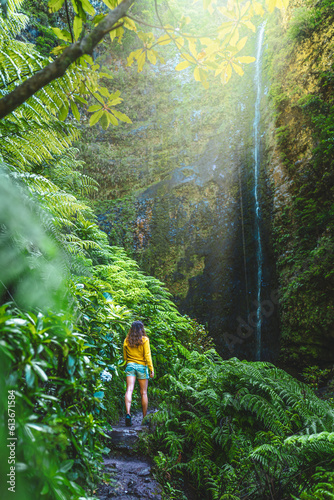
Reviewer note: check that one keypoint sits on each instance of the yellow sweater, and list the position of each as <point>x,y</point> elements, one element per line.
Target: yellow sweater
<point>140,354</point>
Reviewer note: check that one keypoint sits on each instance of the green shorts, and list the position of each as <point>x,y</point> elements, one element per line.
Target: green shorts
<point>137,370</point>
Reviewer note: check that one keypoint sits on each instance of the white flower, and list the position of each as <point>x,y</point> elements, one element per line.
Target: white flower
<point>106,376</point>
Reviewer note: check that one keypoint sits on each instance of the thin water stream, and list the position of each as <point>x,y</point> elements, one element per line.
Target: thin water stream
<point>257,165</point>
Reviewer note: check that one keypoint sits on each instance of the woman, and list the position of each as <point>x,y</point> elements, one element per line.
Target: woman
<point>137,355</point>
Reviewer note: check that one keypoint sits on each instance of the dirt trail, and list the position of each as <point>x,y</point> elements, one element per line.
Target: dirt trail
<point>130,473</point>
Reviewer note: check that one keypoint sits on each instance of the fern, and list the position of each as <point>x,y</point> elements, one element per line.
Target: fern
<point>14,21</point>
<point>249,418</point>
<point>33,133</point>
<point>322,488</point>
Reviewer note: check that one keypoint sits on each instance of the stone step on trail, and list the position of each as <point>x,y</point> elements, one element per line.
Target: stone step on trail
<point>130,473</point>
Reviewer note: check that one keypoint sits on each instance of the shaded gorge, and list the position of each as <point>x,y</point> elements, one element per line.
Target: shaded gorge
<point>193,213</point>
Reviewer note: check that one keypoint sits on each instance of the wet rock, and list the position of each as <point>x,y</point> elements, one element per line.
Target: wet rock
<point>129,474</point>
<point>144,472</point>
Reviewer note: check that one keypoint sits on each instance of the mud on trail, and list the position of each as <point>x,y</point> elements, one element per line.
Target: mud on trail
<point>129,472</point>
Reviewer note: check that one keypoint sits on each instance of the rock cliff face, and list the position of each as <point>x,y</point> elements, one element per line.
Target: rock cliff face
<point>300,167</point>
<point>177,189</point>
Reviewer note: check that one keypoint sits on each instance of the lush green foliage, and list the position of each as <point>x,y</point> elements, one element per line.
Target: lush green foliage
<point>19,62</point>
<point>217,52</point>
<point>241,430</point>
<point>53,357</point>
<point>67,298</point>
<point>38,30</point>
<point>58,400</point>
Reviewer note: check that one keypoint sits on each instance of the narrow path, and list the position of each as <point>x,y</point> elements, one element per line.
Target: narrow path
<point>130,473</point>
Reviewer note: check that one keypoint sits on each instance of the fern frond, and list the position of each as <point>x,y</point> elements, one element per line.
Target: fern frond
<point>78,243</point>
<point>15,21</point>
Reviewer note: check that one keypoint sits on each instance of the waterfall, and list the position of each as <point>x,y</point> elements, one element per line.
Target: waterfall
<point>259,256</point>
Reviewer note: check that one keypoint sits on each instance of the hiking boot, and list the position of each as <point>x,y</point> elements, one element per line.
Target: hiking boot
<point>128,422</point>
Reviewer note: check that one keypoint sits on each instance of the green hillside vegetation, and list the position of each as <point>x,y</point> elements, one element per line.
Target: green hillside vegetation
<point>236,430</point>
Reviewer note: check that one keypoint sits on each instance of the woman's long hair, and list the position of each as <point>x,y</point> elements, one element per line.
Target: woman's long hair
<point>136,334</point>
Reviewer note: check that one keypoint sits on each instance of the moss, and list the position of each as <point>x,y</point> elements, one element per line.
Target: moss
<point>303,237</point>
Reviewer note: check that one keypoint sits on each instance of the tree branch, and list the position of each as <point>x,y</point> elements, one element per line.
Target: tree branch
<point>57,68</point>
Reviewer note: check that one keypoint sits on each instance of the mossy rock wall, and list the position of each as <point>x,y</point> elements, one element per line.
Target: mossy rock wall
<point>171,186</point>
<point>300,166</point>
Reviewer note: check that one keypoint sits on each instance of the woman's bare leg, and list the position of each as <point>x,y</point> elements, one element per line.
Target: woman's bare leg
<point>143,384</point>
<point>130,384</point>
